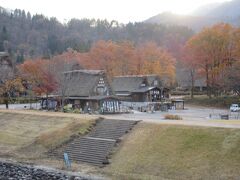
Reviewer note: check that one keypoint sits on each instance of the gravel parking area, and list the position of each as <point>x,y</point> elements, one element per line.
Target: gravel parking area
<point>189,113</point>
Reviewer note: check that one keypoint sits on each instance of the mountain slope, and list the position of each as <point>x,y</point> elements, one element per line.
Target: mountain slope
<point>207,15</point>
<point>194,22</point>
<point>229,9</point>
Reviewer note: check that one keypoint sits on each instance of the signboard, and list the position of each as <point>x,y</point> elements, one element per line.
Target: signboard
<point>66,160</point>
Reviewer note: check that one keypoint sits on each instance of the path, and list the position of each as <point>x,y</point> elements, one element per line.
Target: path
<point>192,116</point>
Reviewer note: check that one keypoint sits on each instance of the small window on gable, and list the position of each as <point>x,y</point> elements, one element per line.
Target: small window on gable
<point>101,82</point>
<point>144,83</point>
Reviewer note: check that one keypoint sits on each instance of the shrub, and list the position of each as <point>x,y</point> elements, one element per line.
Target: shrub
<point>172,117</point>
<point>67,109</point>
<point>77,111</point>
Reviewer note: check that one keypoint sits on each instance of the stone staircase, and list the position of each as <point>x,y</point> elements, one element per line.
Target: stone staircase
<point>95,148</point>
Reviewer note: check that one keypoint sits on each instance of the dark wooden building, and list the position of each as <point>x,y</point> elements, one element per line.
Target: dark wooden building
<point>139,88</point>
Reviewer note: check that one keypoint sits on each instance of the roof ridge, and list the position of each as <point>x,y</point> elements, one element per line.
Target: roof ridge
<point>2,53</point>
<point>142,75</point>
<point>86,71</point>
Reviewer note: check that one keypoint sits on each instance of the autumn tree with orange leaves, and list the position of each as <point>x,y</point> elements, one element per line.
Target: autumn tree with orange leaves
<point>152,59</point>
<point>123,58</point>
<point>213,51</point>
<point>9,87</point>
<point>39,76</point>
<point>10,82</point>
<point>114,58</point>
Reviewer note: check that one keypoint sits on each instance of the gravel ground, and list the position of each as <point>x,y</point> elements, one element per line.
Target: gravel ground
<point>11,171</point>
<point>193,113</point>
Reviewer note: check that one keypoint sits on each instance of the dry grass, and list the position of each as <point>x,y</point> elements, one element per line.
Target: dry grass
<point>221,102</point>
<point>49,113</point>
<point>227,122</point>
<point>51,139</point>
<point>154,151</point>
<point>22,134</point>
<point>172,117</point>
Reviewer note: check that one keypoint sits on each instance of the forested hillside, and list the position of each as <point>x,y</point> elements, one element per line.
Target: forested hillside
<point>30,36</point>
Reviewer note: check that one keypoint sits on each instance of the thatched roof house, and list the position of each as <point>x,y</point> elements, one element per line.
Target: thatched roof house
<point>86,83</point>
<point>89,89</point>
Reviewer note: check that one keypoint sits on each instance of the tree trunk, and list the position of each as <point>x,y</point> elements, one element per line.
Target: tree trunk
<point>30,102</point>
<point>47,101</point>
<point>207,81</point>
<point>213,87</point>
<point>192,83</point>
<point>6,102</point>
<point>62,102</point>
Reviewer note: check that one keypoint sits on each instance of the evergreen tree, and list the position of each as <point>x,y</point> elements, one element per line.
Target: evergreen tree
<point>3,37</point>
<point>20,58</point>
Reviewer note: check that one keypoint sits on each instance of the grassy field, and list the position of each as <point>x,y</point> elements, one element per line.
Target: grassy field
<point>30,135</point>
<point>154,151</point>
<point>222,102</point>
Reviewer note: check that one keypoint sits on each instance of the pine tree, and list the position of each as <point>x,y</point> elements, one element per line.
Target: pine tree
<point>3,37</point>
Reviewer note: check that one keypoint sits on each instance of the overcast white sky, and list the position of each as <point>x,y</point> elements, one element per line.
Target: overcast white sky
<point>120,10</point>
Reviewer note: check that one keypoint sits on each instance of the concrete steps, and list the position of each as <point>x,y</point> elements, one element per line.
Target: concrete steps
<point>96,147</point>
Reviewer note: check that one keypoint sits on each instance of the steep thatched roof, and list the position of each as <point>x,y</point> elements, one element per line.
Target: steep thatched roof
<point>152,77</point>
<point>126,83</point>
<point>133,82</point>
<point>82,83</point>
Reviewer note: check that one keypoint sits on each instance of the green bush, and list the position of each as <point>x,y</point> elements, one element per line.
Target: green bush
<point>67,109</point>
<point>77,111</point>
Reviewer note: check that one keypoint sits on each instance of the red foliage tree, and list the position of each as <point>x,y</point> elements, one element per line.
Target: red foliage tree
<point>212,51</point>
<point>39,75</point>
